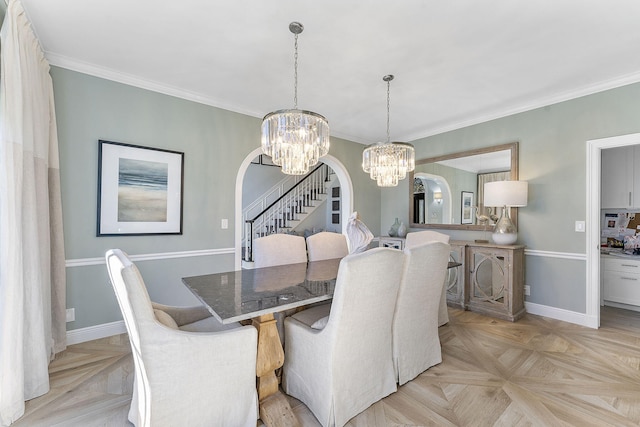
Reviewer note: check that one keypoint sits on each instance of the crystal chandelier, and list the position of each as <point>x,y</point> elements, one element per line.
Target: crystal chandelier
<point>388,162</point>
<point>295,139</point>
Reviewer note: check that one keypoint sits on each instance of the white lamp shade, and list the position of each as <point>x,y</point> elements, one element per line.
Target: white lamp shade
<point>506,193</point>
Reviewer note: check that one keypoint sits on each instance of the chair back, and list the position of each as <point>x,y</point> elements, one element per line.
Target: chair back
<point>421,237</point>
<point>326,245</point>
<point>360,321</point>
<point>279,249</point>
<point>416,345</point>
<point>136,308</point>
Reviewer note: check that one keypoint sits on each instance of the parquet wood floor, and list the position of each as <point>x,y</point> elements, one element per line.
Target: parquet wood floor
<point>534,372</point>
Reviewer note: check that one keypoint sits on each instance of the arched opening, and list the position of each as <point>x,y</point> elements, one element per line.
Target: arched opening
<point>437,207</point>
<point>346,196</point>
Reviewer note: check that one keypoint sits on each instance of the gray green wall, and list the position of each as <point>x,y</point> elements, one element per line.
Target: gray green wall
<point>215,143</point>
<point>552,145</point>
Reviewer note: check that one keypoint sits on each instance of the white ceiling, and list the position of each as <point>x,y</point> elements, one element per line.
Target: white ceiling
<point>456,62</point>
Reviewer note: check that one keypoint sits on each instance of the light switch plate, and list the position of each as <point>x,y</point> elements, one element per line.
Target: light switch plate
<point>224,223</point>
<point>580,226</point>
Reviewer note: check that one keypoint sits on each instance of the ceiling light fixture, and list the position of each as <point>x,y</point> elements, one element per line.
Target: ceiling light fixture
<point>295,139</point>
<point>388,162</point>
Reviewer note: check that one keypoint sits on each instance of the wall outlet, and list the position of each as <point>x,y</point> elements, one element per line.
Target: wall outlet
<point>527,290</point>
<point>71,314</point>
<point>224,223</point>
<point>580,226</point>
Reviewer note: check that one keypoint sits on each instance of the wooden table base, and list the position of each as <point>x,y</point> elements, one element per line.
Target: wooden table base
<point>274,406</point>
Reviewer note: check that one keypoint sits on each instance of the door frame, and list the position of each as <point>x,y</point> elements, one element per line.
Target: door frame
<point>594,178</point>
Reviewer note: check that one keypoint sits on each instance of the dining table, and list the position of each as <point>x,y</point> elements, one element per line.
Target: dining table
<point>256,295</point>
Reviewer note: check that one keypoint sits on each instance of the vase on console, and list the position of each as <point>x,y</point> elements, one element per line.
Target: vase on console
<point>393,231</point>
<point>402,230</point>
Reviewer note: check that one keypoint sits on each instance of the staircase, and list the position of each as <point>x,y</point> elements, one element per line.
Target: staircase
<point>288,210</point>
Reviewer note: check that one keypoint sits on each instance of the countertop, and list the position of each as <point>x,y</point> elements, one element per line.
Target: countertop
<point>618,253</point>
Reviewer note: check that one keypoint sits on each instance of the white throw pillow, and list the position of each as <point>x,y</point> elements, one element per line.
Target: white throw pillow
<point>164,318</point>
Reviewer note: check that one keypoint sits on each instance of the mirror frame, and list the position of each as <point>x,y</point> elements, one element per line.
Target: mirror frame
<point>514,177</point>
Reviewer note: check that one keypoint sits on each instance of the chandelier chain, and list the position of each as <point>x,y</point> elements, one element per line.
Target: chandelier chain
<point>388,109</point>
<point>295,74</point>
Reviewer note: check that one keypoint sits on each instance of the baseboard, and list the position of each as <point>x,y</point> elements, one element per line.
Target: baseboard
<point>561,314</point>
<point>91,333</point>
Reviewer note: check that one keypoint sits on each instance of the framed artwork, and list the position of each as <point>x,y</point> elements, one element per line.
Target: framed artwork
<point>335,192</point>
<point>335,205</point>
<point>139,190</point>
<point>335,218</point>
<point>466,206</point>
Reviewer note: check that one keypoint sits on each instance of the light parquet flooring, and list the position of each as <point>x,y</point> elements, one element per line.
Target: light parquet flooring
<point>534,372</point>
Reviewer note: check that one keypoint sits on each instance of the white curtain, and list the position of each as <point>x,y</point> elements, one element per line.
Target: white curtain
<point>32,274</point>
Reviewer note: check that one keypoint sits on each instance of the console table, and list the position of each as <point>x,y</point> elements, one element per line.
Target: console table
<point>489,279</point>
<point>493,279</point>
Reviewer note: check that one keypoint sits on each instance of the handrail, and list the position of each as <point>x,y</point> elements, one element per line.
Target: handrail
<point>272,193</point>
<point>283,195</point>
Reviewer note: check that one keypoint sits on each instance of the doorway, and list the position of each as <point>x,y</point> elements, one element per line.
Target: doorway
<point>346,197</point>
<point>594,178</point>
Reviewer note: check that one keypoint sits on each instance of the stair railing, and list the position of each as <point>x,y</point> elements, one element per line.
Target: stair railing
<point>277,216</point>
<point>269,196</point>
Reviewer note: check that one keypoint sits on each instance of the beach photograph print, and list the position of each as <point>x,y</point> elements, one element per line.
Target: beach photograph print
<point>139,190</point>
<point>142,191</point>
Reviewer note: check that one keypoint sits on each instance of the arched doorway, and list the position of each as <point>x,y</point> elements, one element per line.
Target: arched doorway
<point>435,183</point>
<point>343,178</point>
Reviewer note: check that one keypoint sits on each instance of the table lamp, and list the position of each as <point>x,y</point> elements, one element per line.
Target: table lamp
<point>505,194</point>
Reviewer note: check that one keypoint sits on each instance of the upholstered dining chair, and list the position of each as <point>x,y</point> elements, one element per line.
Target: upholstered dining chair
<point>340,364</point>
<point>183,377</point>
<point>279,249</point>
<point>418,238</point>
<point>326,245</point>
<point>416,344</point>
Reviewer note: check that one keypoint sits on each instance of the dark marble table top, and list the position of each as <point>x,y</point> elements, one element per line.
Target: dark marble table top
<point>239,295</point>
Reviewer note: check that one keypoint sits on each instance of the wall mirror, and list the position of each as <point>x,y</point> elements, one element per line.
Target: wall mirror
<point>447,190</point>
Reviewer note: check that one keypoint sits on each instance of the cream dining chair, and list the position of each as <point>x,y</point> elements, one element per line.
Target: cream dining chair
<point>416,344</point>
<point>326,245</point>
<point>183,377</point>
<point>420,237</point>
<point>279,249</point>
<point>340,364</point>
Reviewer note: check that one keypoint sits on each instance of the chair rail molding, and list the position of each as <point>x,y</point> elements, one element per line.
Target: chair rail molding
<point>83,262</point>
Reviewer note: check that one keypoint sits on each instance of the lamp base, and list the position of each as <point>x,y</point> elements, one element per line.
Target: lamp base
<point>504,232</point>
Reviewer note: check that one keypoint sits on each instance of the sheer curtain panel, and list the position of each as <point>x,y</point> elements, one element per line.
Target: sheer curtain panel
<point>32,271</point>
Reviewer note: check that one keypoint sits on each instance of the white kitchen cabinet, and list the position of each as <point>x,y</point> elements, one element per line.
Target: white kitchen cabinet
<point>621,281</point>
<point>620,183</point>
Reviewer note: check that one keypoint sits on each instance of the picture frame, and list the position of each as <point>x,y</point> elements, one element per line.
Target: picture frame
<point>335,205</point>
<point>140,190</point>
<point>466,207</point>
<point>335,218</point>
<point>335,192</point>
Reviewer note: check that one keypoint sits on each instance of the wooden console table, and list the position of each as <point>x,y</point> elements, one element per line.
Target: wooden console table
<point>493,279</point>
